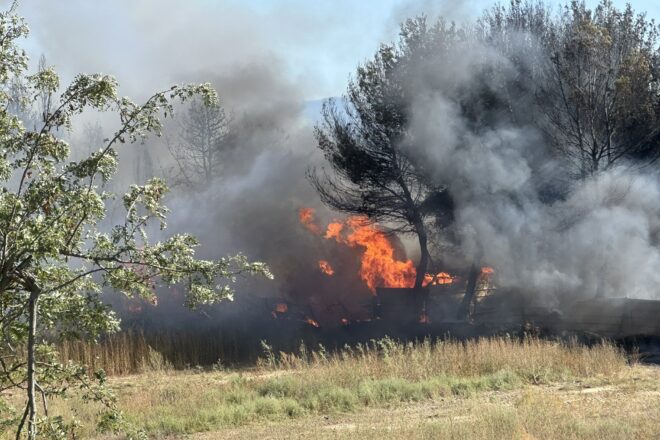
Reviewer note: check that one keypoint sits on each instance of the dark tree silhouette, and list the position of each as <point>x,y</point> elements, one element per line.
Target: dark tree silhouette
<point>366,147</point>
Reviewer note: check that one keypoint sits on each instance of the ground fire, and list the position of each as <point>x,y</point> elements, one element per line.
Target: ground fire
<point>439,278</point>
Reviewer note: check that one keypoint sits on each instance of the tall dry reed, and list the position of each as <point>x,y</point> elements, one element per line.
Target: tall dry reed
<point>532,358</point>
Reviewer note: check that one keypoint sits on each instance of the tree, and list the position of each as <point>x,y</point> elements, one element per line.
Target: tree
<point>595,79</point>
<point>54,259</point>
<point>603,88</point>
<point>204,137</point>
<point>365,144</point>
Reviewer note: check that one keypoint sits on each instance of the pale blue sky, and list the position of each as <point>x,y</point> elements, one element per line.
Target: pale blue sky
<point>314,44</point>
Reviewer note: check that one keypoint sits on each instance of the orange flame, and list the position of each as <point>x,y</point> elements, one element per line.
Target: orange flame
<point>281,308</point>
<point>313,323</point>
<point>334,231</point>
<point>306,216</point>
<point>378,266</point>
<point>440,278</point>
<point>326,268</point>
<point>487,270</point>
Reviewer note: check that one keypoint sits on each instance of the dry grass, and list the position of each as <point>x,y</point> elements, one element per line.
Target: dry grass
<point>117,354</point>
<point>133,352</point>
<point>534,360</point>
<point>615,411</point>
<point>489,388</point>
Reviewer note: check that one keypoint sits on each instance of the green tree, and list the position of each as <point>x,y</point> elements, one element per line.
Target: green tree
<point>54,258</point>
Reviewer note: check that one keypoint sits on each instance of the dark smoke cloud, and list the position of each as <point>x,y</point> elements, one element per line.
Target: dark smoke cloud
<point>598,240</point>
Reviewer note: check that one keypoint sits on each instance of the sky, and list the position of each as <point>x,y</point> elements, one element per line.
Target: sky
<point>149,44</point>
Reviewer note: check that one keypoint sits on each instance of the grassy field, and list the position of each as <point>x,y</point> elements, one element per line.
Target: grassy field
<point>491,388</point>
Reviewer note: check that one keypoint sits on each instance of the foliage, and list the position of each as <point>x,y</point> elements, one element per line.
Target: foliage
<point>54,258</point>
<point>591,78</point>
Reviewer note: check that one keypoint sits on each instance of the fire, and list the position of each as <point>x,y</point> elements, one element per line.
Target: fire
<point>334,231</point>
<point>306,216</point>
<point>486,271</point>
<point>378,267</point>
<point>326,268</point>
<point>440,278</point>
<point>312,322</point>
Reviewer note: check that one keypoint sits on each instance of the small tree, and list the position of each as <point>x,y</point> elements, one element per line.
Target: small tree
<point>203,140</point>
<point>54,261</point>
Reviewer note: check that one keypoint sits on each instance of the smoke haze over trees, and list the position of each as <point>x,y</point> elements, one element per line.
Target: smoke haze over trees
<point>475,125</point>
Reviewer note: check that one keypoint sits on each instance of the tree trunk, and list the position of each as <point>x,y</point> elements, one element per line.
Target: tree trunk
<point>31,373</point>
<point>473,277</point>
<point>424,259</point>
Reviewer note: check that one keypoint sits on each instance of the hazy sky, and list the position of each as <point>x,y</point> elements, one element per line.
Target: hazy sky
<point>151,43</point>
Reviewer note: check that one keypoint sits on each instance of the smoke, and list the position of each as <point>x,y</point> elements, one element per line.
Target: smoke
<point>266,62</point>
<point>595,238</point>
<point>457,10</point>
<point>598,239</point>
<point>151,44</point>
<point>253,207</point>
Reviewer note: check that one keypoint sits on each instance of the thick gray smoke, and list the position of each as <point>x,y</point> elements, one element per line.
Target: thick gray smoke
<point>253,208</point>
<point>599,239</point>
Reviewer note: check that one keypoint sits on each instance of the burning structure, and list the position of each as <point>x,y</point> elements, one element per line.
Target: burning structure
<point>394,302</point>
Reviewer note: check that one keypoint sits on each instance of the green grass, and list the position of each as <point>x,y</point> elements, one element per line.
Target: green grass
<point>384,375</point>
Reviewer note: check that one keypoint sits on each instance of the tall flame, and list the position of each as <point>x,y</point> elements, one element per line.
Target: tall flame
<point>378,266</point>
